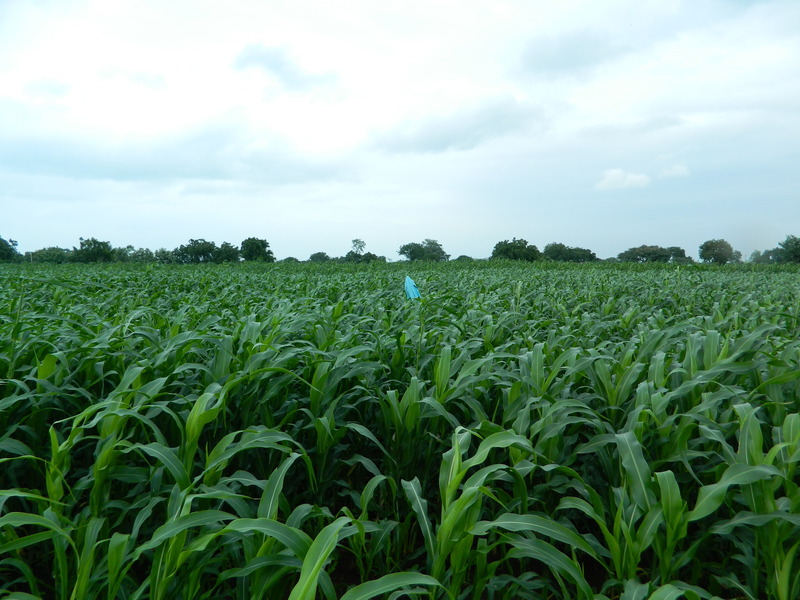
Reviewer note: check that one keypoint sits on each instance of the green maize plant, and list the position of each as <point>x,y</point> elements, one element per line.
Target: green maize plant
<point>535,431</point>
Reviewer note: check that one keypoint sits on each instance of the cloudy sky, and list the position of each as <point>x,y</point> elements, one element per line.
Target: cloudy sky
<point>309,123</point>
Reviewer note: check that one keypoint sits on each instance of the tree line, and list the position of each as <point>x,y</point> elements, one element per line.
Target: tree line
<point>717,251</point>
<point>252,249</point>
<point>92,250</point>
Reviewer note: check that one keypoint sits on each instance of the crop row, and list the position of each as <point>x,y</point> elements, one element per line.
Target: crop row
<point>297,432</point>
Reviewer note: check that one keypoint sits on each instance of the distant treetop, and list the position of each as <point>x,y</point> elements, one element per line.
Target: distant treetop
<point>8,251</point>
<point>718,252</point>
<point>256,249</point>
<point>790,249</point>
<point>319,257</point>
<point>556,251</point>
<point>516,249</point>
<point>92,251</point>
<point>428,250</point>
<point>647,254</point>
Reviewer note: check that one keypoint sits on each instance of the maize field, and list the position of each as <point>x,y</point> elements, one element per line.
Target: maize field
<point>522,431</point>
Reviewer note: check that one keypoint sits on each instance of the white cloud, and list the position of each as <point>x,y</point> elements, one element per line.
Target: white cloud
<point>303,114</point>
<point>277,63</point>
<point>616,179</point>
<point>676,170</point>
<point>463,129</point>
<point>571,54</point>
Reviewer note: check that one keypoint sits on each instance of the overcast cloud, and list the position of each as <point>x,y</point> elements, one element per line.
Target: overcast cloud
<point>603,125</point>
<point>462,128</point>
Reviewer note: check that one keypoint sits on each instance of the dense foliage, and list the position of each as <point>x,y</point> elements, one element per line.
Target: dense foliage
<point>653,254</point>
<point>257,249</point>
<point>428,251</point>
<point>516,250</point>
<point>195,252</point>
<point>93,250</point>
<point>8,251</point>
<point>562,252</point>
<point>790,249</point>
<point>523,431</point>
<point>718,252</point>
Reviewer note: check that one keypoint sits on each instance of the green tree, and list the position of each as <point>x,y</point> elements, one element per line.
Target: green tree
<point>556,251</point>
<point>790,249</point>
<point>516,249</point>
<point>8,251</point>
<point>678,255</point>
<point>226,253</point>
<point>428,250</point>
<point>196,251</point>
<point>257,249</point>
<point>357,254</point>
<point>319,257</point>
<point>123,254</point>
<point>142,255</point>
<point>412,251</point>
<point>53,254</point>
<point>367,257</point>
<point>718,252</point>
<point>646,254</point>
<point>358,246</point>
<point>164,256</point>
<point>561,252</point>
<point>93,251</point>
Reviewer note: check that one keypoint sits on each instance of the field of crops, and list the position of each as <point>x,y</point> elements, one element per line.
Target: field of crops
<point>277,431</point>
